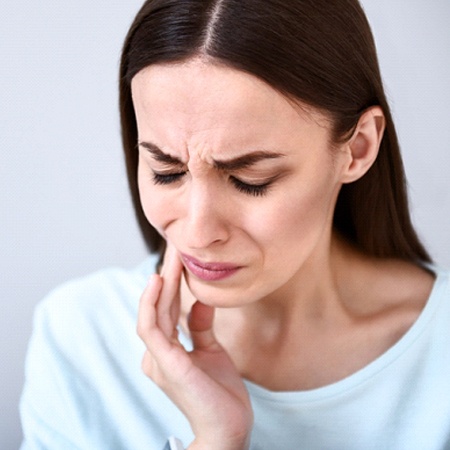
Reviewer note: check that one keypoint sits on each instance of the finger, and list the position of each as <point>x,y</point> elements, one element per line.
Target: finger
<point>147,303</point>
<point>200,324</point>
<point>168,305</point>
<point>162,353</point>
<point>170,257</point>
<point>147,326</point>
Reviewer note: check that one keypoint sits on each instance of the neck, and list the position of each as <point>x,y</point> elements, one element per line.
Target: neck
<point>314,294</point>
<point>341,311</point>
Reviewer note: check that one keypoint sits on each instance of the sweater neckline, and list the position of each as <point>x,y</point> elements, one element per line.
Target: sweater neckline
<point>437,295</point>
<point>439,291</point>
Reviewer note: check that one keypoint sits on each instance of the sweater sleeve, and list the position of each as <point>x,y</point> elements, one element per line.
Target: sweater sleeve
<point>49,418</point>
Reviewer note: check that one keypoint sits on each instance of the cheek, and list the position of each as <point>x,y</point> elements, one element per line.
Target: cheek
<point>296,219</point>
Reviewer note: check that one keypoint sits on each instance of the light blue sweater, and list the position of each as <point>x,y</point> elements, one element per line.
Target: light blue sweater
<point>85,389</point>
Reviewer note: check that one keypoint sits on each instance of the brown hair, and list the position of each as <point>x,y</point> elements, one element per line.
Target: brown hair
<point>320,52</point>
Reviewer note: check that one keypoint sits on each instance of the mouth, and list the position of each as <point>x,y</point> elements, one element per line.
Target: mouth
<point>209,271</point>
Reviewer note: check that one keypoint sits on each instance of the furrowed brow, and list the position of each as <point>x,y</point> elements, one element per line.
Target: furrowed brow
<point>244,161</point>
<point>159,155</point>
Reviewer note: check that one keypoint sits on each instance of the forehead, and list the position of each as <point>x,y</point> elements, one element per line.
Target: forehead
<point>198,103</point>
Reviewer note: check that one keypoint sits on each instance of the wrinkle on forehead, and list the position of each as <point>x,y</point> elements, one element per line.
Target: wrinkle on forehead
<point>203,111</point>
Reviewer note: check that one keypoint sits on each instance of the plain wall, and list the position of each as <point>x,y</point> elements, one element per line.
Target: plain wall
<point>65,208</point>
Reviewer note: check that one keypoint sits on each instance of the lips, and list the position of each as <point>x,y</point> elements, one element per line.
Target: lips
<point>209,271</point>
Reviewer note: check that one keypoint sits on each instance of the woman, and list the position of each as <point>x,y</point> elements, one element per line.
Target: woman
<point>295,307</point>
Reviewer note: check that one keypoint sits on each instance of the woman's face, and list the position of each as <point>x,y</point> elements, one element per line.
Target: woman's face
<point>238,179</point>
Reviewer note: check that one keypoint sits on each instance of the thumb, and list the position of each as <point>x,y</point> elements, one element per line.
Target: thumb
<point>200,322</point>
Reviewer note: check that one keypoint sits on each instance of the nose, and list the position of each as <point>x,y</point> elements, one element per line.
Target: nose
<point>205,221</point>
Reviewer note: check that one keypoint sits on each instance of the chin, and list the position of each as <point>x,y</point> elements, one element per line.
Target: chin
<point>220,295</point>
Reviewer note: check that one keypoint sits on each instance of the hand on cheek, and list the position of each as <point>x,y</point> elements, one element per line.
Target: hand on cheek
<point>203,383</point>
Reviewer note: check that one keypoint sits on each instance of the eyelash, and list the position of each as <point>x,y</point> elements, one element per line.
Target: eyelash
<point>256,190</point>
<point>167,179</point>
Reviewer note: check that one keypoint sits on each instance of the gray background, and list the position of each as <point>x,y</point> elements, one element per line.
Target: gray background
<point>64,202</point>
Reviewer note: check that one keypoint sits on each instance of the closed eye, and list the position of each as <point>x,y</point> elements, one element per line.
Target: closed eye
<point>256,190</point>
<point>164,179</point>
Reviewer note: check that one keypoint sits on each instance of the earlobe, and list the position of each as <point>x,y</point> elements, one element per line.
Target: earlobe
<point>364,144</point>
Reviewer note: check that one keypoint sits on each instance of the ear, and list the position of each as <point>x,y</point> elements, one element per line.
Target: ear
<point>364,144</point>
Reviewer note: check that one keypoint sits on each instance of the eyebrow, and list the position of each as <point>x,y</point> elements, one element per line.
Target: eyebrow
<point>241,162</point>
<point>244,161</point>
<point>159,155</point>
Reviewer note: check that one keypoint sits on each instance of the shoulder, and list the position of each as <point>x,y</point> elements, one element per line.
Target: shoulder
<point>437,308</point>
<point>91,315</point>
<point>107,292</point>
